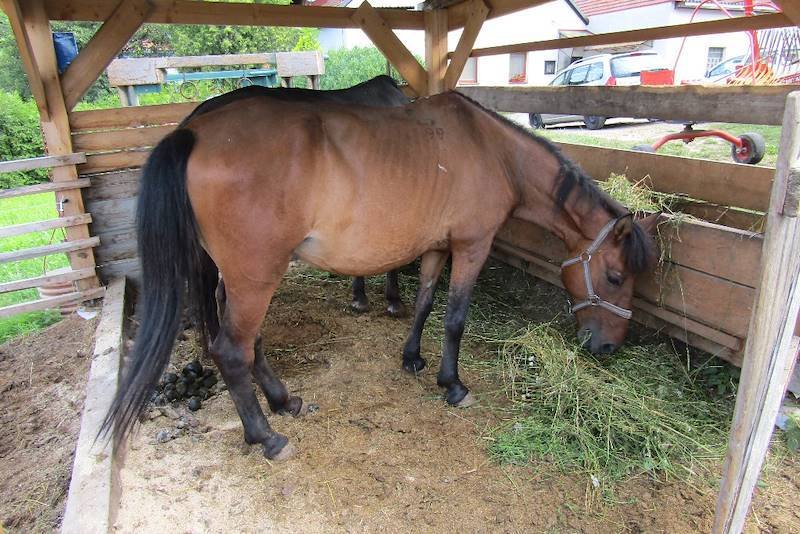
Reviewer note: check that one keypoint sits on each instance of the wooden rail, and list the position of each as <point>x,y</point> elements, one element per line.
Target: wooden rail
<point>38,281</point>
<point>38,226</point>
<point>46,250</point>
<point>233,14</point>
<point>44,162</point>
<point>752,104</point>
<point>737,24</point>
<point>52,302</point>
<point>47,187</point>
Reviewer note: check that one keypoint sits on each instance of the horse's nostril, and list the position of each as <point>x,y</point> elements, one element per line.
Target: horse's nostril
<point>607,348</point>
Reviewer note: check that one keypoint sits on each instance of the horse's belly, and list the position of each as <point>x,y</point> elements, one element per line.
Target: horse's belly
<point>349,255</point>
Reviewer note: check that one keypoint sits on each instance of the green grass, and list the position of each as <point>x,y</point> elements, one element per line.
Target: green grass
<point>20,210</point>
<point>707,148</point>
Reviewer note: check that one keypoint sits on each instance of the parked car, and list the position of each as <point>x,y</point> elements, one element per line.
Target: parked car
<point>603,69</point>
<point>722,71</point>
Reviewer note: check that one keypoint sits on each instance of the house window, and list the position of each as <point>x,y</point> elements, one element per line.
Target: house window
<point>715,55</point>
<point>517,67</point>
<point>470,73</point>
<point>549,67</point>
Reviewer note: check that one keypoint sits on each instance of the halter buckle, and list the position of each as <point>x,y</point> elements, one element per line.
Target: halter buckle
<point>594,300</point>
<point>585,256</point>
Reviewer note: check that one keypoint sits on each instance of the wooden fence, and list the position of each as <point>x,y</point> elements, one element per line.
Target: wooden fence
<point>77,246</point>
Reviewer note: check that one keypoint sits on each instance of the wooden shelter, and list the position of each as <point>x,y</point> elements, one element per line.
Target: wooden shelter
<point>738,295</point>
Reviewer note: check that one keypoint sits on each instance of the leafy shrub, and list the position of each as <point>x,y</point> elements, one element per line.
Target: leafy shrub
<point>346,68</point>
<point>20,137</point>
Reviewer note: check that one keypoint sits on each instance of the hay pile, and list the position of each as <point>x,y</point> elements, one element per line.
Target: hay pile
<point>637,412</point>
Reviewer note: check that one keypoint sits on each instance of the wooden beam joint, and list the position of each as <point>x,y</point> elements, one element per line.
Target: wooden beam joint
<point>376,28</point>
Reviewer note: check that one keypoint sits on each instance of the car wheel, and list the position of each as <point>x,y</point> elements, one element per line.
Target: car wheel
<point>535,120</point>
<point>594,122</point>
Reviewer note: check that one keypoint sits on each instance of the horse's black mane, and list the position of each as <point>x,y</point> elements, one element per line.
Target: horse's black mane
<point>638,246</point>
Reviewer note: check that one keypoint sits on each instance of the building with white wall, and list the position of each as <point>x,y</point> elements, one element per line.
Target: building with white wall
<point>690,58</point>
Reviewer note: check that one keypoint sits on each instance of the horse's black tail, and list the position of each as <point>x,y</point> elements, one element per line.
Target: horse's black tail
<point>170,255</point>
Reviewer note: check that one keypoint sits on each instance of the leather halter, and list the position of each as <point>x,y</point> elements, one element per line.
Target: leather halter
<point>592,298</point>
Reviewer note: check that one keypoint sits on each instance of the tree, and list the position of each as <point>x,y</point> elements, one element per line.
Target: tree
<point>346,68</point>
<point>161,40</point>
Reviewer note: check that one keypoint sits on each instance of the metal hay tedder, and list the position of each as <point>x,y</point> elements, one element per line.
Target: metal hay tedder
<point>774,59</point>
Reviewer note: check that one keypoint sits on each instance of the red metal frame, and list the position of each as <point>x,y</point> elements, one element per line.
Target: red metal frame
<point>689,135</point>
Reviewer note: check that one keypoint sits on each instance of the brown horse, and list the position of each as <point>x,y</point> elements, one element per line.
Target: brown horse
<point>380,91</point>
<point>357,191</point>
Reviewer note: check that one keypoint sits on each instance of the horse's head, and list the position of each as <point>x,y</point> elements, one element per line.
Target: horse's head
<point>599,277</point>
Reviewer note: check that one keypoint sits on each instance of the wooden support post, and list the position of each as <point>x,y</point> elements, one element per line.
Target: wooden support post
<point>436,49</point>
<point>12,9</point>
<point>476,15</point>
<point>371,22</point>
<point>102,48</point>
<point>56,130</point>
<point>768,357</point>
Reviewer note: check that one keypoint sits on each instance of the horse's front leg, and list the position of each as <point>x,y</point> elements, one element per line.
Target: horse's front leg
<point>429,269</point>
<point>467,263</point>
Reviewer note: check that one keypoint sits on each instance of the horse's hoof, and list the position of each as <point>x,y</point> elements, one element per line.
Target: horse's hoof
<point>414,366</point>
<point>284,454</point>
<point>396,310</point>
<point>458,395</point>
<point>295,406</point>
<point>466,402</point>
<point>277,447</point>
<point>359,306</point>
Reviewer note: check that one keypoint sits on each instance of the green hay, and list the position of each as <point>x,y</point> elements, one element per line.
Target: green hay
<point>637,196</point>
<point>639,412</point>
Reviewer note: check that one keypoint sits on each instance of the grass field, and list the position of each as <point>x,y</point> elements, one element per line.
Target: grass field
<point>17,211</point>
<point>708,148</point>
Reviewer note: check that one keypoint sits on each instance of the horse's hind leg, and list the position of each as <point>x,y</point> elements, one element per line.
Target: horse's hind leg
<point>395,307</point>
<point>360,303</point>
<point>278,397</point>
<point>275,391</point>
<point>429,269</point>
<point>233,352</point>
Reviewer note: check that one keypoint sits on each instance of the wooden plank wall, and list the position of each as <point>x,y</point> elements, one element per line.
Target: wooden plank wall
<point>118,142</point>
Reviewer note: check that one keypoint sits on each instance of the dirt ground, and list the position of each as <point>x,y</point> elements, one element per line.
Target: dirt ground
<point>384,452</point>
<point>42,381</point>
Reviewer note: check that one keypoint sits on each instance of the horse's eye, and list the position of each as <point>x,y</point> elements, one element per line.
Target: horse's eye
<point>614,279</point>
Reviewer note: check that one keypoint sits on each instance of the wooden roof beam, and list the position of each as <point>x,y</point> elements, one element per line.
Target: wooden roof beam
<point>233,14</point>
<point>102,48</point>
<point>477,14</point>
<point>377,29</point>
<point>758,22</point>
<point>12,9</point>
<point>791,10</point>
<point>458,14</point>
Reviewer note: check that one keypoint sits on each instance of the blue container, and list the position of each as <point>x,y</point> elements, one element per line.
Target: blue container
<point>66,49</point>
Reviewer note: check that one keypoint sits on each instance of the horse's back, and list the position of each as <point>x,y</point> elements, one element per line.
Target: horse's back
<point>333,179</point>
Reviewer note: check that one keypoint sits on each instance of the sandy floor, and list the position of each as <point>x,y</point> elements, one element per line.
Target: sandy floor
<point>384,452</point>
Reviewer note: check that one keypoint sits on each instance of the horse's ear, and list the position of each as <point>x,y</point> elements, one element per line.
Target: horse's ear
<point>623,228</point>
<point>649,223</point>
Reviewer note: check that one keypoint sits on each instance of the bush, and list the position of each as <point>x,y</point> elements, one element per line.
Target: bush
<point>346,68</point>
<point>20,137</point>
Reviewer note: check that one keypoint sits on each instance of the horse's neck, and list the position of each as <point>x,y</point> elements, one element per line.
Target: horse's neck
<point>577,219</point>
